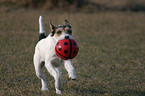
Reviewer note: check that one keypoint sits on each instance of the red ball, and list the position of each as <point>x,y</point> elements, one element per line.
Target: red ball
<point>66,49</point>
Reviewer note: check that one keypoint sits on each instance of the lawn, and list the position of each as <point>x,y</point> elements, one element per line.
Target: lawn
<point>111,60</point>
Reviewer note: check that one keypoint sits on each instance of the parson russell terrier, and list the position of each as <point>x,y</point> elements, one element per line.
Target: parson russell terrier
<point>45,54</point>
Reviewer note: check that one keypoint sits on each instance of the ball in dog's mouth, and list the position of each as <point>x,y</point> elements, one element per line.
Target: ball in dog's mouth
<point>66,49</point>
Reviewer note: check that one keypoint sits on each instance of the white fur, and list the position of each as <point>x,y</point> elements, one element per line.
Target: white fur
<point>41,25</point>
<point>45,52</point>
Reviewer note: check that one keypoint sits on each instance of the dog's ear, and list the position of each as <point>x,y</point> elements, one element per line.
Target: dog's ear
<point>52,27</point>
<point>67,23</point>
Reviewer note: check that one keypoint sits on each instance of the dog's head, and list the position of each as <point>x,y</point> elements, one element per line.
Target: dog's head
<point>61,31</point>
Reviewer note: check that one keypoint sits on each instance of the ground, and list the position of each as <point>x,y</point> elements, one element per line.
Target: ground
<point>111,59</point>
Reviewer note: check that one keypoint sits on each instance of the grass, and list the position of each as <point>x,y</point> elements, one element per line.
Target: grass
<point>111,60</point>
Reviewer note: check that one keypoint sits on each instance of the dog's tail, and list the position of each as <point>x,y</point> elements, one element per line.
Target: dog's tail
<point>42,33</point>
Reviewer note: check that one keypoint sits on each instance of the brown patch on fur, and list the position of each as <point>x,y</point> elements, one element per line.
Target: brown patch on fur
<point>67,28</point>
<point>57,32</point>
<point>60,31</point>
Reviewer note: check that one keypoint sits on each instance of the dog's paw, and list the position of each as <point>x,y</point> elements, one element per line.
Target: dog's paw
<point>44,89</point>
<point>73,79</point>
<point>58,91</point>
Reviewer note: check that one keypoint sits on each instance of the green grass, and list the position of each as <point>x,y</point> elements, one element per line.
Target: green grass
<point>111,60</point>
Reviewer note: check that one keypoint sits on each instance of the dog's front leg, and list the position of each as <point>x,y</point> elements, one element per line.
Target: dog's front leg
<point>56,73</point>
<point>70,69</point>
<point>39,71</point>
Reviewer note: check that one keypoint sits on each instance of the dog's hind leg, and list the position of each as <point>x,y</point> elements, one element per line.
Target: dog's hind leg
<point>56,73</point>
<point>39,71</point>
<point>70,69</point>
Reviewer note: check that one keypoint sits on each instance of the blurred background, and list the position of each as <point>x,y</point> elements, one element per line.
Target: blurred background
<point>78,5</point>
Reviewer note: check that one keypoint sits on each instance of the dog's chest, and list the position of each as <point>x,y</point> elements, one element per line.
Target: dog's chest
<point>46,48</point>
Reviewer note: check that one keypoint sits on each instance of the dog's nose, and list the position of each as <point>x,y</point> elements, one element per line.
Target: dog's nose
<point>66,37</point>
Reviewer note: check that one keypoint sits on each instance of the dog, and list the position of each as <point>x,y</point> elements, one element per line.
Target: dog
<point>45,55</point>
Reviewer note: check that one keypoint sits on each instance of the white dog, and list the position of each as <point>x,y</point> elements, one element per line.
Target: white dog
<point>45,54</point>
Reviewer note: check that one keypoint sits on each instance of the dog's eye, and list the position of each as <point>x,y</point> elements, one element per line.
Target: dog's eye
<point>69,32</point>
<point>59,32</point>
